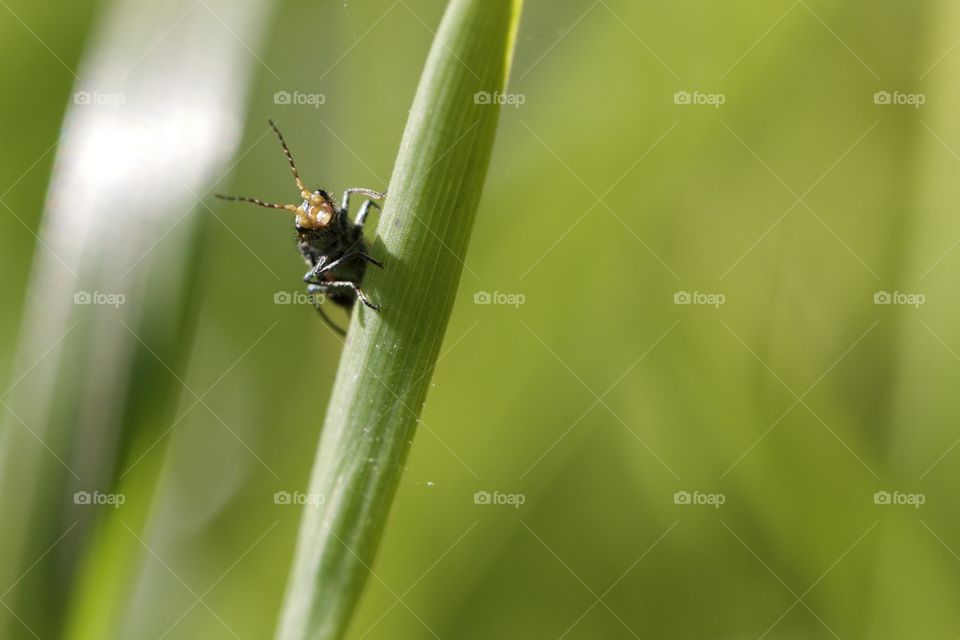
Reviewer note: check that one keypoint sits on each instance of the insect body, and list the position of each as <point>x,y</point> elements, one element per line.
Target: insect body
<point>331,244</point>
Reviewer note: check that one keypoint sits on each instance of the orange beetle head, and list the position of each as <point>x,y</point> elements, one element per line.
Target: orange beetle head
<point>317,210</point>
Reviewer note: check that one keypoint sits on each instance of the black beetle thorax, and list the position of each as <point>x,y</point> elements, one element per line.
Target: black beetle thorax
<point>330,243</point>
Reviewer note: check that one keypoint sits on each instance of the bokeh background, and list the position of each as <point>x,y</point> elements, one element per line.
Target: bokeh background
<point>726,470</point>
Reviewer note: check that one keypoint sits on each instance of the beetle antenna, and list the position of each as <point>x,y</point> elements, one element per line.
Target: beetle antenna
<point>286,151</point>
<point>260,203</point>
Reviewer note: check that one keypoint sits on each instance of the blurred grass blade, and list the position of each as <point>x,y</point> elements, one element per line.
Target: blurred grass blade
<point>388,359</point>
<point>155,118</point>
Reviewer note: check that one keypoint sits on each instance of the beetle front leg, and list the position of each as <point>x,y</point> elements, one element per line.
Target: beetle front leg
<point>315,270</point>
<point>364,210</point>
<point>323,266</point>
<point>370,193</point>
<point>314,274</point>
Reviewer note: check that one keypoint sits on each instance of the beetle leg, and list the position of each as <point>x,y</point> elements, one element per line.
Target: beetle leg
<point>323,267</point>
<point>353,285</point>
<point>315,270</point>
<point>364,210</point>
<point>370,193</point>
<point>371,260</point>
<point>330,323</point>
<point>314,289</point>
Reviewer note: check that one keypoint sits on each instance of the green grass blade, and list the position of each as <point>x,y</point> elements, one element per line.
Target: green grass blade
<point>152,121</point>
<point>389,357</point>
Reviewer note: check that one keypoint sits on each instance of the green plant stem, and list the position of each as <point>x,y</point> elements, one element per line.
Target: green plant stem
<point>389,356</point>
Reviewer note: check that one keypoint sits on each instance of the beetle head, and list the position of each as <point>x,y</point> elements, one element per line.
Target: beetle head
<point>317,210</point>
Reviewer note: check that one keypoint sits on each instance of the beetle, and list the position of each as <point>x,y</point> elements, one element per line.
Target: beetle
<point>331,244</point>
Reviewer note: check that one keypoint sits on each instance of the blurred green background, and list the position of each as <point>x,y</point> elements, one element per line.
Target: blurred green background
<point>799,403</point>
